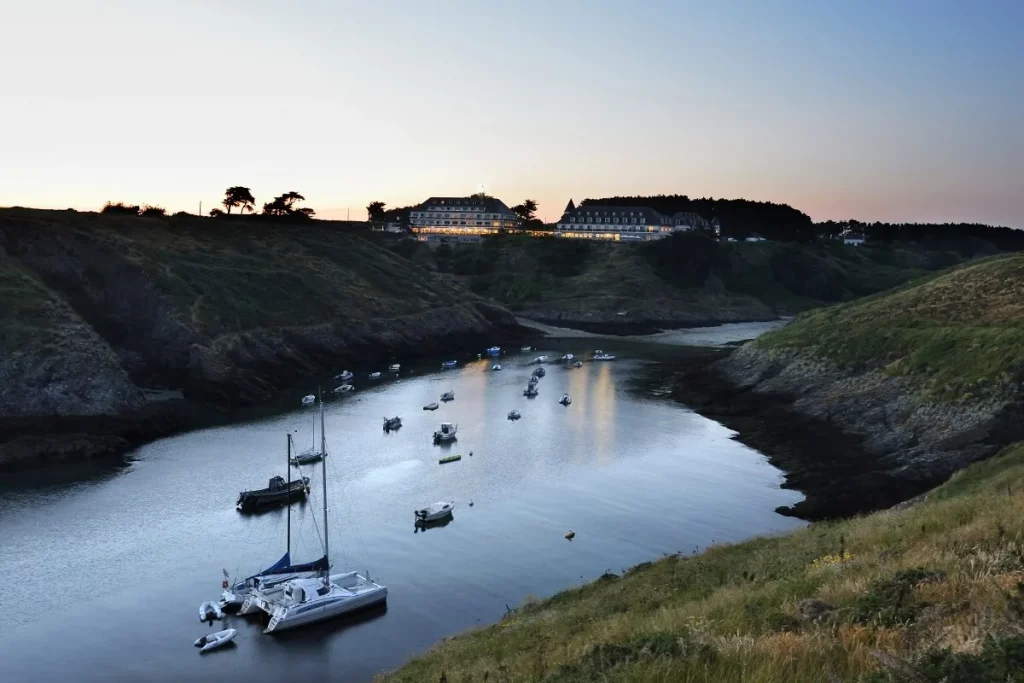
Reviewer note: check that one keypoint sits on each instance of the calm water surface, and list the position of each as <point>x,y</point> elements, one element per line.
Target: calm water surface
<point>105,574</point>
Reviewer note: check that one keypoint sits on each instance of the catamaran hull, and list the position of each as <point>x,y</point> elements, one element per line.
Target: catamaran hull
<point>331,610</point>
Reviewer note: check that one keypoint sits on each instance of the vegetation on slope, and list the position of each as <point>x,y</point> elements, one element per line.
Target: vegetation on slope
<point>959,335</point>
<point>933,592</point>
<point>687,278</point>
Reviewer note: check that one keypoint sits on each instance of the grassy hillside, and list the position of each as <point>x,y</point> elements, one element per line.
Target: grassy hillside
<point>686,279</point>
<point>958,336</point>
<point>934,592</point>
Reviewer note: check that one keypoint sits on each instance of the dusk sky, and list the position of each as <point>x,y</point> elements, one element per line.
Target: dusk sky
<point>877,110</point>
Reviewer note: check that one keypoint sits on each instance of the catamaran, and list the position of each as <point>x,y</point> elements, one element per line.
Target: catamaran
<point>303,601</point>
<point>236,594</point>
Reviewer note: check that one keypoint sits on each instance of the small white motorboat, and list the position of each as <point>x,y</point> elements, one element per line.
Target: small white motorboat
<point>578,364</point>
<point>514,415</point>
<point>530,391</point>
<point>446,433</point>
<point>526,349</point>
<point>434,511</point>
<point>395,367</point>
<point>534,380</point>
<point>565,400</point>
<point>568,358</point>
<point>344,389</point>
<point>496,366</point>
<point>344,376</point>
<point>449,364</point>
<point>210,610</point>
<point>448,396</point>
<point>308,399</point>
<point>541,359</point>
<point>430,406</point>
<point>214,640</point>
<point>374,375</point>
<point>494,351</point>
<point>603,356</point>
<point>539,372</point>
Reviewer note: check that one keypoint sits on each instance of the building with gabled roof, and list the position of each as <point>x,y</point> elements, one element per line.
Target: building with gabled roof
<point>461,218</point>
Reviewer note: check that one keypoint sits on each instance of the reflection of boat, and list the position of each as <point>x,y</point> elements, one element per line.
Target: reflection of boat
<point>434,511</point>
<point>565,400</point>
<point>343,389</point>
<point>395,367</point>
<point>446,432</point>
<point>449,458</point>
<point>530,391</point>
<point>299,602</point>
<point>449,364</point>
<point>448,396</point>
<point>278,492</point>
<point>374,375</point>
<point>430,406</point>
<point>392,423</point>
<point>540,372</point>
<point>215,640</point>
<point>494,351</point>
<point>514,415</point>
<point>496,366</point>
<point>308,399</point>
<point>541,359</point>
<point>603,356</point>
<point>344,376</point>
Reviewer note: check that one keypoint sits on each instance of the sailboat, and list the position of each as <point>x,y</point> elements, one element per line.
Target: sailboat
<point>302,601</point>
<point>311,454</point>
<point>236,595</point>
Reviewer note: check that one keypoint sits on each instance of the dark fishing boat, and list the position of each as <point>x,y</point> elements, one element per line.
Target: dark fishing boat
<point>278,492</point>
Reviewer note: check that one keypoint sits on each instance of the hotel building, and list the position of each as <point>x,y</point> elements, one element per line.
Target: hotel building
<point>462,218</point>
<point>624,223</point>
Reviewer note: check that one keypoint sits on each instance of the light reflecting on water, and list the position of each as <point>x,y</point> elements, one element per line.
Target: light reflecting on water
<point>110,571</point>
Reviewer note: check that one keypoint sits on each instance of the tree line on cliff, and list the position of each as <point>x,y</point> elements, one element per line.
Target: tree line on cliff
<point>235,197</point>
<point>742,218</point>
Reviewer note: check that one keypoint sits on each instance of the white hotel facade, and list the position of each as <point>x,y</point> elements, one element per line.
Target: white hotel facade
<point>625,223</point>
<point>461,218</point>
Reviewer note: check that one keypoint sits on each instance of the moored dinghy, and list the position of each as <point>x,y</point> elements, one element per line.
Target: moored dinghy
<point>374,375</point>
<point>449,364</point>
<point>395,367</point>
<point>431,406</point>
<point>392,423</point>
<point>448,396</point>
<point>434,511</point>
<point>208,611</point>
<point>496,366</point>
<point>565,400</point>
<point>308,399</point>
<point>514,415</point>
<point>214,640</point>
<point>531,390</point>
<point>344,376</point>
<point>343,389</point>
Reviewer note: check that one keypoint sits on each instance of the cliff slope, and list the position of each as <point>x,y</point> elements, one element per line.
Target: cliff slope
<point>98,308</point>
<point>928,377</point>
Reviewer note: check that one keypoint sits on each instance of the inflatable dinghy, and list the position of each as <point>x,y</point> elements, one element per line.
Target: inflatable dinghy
<point>208,608</point>
<point>215,640</point>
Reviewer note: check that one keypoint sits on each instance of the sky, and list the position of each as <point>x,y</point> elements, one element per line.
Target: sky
<point>898,110</point>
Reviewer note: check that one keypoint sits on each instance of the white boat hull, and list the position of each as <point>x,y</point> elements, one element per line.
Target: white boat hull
<point>208,608</point>
<point>215,640</point>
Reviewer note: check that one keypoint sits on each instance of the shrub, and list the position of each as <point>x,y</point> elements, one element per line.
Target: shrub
<point>121,208</point>
<point>157,211</point>
<point>891,601</point>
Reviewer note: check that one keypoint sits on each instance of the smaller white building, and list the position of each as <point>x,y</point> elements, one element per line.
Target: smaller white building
<point>853,240</point>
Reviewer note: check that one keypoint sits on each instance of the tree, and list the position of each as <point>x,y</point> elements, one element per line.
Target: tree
<point>156,211</point>
<point>239,196</point>
<point>526,211</point>
<point>284,205</point>
<point>375,212</point>
<point>216,213</point>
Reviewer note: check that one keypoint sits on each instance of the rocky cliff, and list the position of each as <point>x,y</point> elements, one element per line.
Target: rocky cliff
<point>101,313</point>
<point>927,378</point>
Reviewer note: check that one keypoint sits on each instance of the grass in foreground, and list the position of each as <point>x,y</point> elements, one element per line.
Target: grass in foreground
<point>934,592</point>
<point>960,335</point>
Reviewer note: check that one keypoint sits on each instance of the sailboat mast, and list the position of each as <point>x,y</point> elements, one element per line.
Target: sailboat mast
<point>288,466</point>
<point>323,449</point>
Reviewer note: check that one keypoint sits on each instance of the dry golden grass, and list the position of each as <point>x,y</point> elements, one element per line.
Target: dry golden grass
<point>958,555</point>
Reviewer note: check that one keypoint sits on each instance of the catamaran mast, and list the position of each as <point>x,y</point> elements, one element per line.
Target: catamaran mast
<point>323,449</point>
<point>288,465</point>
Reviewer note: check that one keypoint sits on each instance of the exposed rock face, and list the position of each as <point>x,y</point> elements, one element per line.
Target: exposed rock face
<point>92,308</point>
<point>913,438</point>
